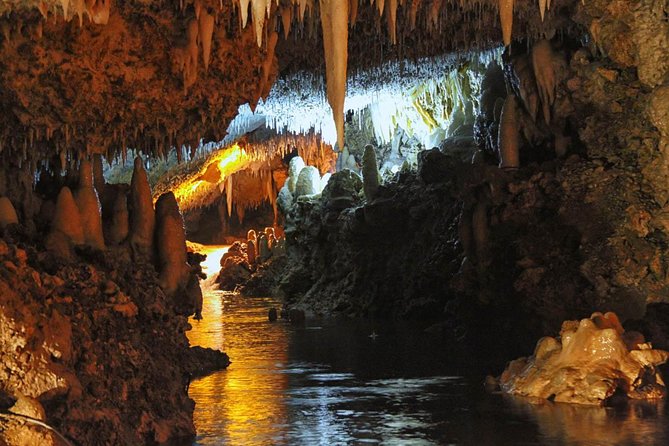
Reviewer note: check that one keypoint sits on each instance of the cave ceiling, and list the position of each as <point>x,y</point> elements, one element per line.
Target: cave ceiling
<point>101,76</point>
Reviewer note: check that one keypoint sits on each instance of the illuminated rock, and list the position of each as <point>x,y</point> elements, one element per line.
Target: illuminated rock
<point>171,251</point>
<point>251,251</point>
<point>142,214</point>
<point>285,198</point>
<point>506,18</point>
<point>7,213</point>
<point>587,364</point>
<point>542,65</point>
<point>308,182</point>
<point>294,167</point>
<point>264,253</point>
<point>66,228</point>
<point>89,207</point>
<point>370,172</point>
<point>509,137</point>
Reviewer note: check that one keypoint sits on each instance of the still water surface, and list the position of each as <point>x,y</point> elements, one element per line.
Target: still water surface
<point>330,383</point>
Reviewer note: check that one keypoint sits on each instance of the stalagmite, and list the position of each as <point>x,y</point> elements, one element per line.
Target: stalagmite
<point>117,228</point>
<point>508,139</point>
<point>89,207</point>
<point>271,238</point>
<point>140,208</point>
<point>205,32</point>
<point>542,64</point>
<point>251,251</point>
<point>308,181</point>
<point>506,18</point>
<point>98,176</point>
<point>370,173</point>
<point>264,252</point>
<point>251,235</point>
<point>334,20</point>
<point>590,362</point>
<point>294,168</point>
<point>66,229</point>
<point>7,213</point>
<point>171,251</point>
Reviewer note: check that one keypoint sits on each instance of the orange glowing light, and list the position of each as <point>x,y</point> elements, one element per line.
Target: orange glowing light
<point>199,187</point>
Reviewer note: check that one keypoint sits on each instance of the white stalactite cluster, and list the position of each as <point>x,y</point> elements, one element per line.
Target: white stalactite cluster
<point>337,15</point>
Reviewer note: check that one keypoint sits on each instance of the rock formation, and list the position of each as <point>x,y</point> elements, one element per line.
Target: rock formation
<point>170,245</point>
<point>117,230</point>
<point>7,213</point>
<point>591,361</point>
<point>370,173</point>
<point>140,209</point>
<point>88,203</point>
<point>308,182</point>
<point>66,228</point>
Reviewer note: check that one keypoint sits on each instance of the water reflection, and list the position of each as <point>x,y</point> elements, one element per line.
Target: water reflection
<point>635,423</point>
<point>329,383</point>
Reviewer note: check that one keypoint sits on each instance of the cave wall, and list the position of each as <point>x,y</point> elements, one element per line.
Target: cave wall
<point>553,240</point>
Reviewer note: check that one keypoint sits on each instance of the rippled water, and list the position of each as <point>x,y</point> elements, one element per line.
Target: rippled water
<point>330,383</point>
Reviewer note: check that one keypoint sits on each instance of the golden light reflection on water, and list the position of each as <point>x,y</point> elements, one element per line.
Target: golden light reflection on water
<point>248,397</point>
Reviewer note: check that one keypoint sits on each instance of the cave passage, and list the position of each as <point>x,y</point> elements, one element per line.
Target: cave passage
<point>331,382</point>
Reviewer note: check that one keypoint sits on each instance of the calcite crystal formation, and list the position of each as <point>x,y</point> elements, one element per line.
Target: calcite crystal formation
<point>589,362</point>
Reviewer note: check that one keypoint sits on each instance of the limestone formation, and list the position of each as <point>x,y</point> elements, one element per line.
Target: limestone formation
<point>591,361</point>
<point>251,251</point>
<point>308,182</point>
<point>542,65</point>
<point>294,168</point>
<point>140,209</point>
<point>370,173</point>
<point>98,176</point>
<point>89,207</point>
<point>118,226</point>
<point>251,235</point>
<point>264,252</point>
<point>509,136</point>
<point>66,228</point>
<point>285,198</point>
<point>170,241</point>
<point>7,213</point>
<point>271,238</point>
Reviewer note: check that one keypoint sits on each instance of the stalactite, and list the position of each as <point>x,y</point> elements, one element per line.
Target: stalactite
<point>205,32</point>
<point>334,20</point>
<point>392,20</point>
<point>258,8</point>
<point>353,12</point>
<point>244,12</point>
<point>286,20</point>
<point>228,195</point>
<point>542,64</point>
<point>98,11</point>
<point>413,13</point>
<point>506,18</point>
<point>542,9</point>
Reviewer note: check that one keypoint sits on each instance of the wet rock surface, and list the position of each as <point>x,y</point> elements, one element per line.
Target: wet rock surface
<point>97,344</point>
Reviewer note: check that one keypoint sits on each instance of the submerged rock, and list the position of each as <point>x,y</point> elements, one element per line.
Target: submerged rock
<point>591,361</point>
